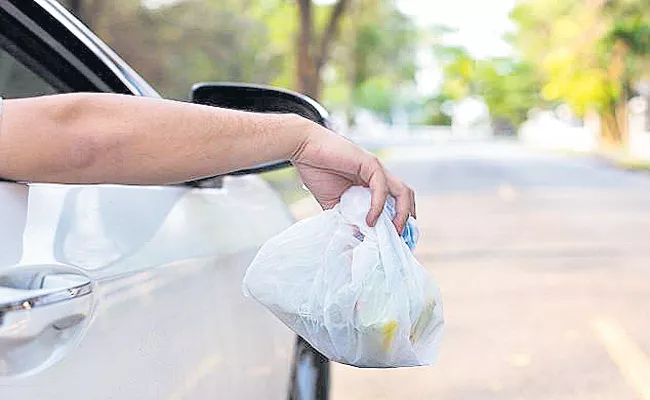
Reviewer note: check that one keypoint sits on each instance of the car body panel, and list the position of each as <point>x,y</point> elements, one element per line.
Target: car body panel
<point>169,319</point>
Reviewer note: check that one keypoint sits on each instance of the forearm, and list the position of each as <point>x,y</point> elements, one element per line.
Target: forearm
<point>95,138</point>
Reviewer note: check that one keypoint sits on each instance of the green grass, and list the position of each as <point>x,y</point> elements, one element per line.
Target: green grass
<point>633,164</point>
<point>287,183</point>
<point>618,159</point>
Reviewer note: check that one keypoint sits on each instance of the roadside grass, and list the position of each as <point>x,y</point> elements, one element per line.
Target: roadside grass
<point>287,183</point>
<point>632,164</point>
<point>615,159</point>
<point>622,159</point>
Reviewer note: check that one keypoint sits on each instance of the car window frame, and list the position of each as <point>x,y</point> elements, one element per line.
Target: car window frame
<point>32,47</point>
<point>75,59</point>
<point>29,62</point>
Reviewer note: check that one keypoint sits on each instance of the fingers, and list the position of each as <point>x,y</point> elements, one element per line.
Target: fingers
<point>381,184</point>
<point>404,201</point>
<point>376,178</point>
<point>379,193</point>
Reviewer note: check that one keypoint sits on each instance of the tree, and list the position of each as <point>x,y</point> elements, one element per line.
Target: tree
<point>313,50</point>
<point>207,41</point>
<point>176,45</point>
<point>459,70</point>
<point>509,88</point>
<point>630,35</point>
<point>507,85</point>
<point>374,66</point>
<point>588,54</point>
<point>283,43</point>
<point>435,110</point>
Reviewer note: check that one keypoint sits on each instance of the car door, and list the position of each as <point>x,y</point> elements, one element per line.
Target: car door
<point>126,292</point>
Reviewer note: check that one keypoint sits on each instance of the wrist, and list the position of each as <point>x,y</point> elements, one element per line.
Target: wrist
<point>301,130</point>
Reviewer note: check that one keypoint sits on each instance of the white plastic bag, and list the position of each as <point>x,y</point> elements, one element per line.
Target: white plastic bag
<point>355,293</point>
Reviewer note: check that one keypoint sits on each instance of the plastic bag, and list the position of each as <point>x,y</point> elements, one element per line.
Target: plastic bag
<point>355,293</point>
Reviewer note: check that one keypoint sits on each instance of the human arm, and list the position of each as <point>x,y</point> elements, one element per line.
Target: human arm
<point>107,138</point>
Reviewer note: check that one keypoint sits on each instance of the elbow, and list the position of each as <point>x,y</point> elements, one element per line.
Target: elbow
<point>70,108</point>
<point>78,121</point>
<point>53,139</point>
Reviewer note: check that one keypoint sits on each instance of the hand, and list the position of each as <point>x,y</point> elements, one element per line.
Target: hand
<point>329,164</point>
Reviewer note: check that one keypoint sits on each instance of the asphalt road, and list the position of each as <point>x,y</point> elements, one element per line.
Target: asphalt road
<point>544,265</point>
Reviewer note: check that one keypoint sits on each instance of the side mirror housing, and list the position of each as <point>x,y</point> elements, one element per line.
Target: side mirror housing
<point>259,98</point>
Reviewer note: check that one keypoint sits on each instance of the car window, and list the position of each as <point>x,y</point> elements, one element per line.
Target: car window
<point>16,80</point>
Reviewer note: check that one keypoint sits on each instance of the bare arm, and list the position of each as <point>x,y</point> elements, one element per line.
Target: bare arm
<point>108,138</point>
<point>96,138</point>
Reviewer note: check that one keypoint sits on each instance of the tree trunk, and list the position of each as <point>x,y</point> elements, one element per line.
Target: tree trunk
<point>330,32</point>
<point>309,62</point>
<point>307,75</point>
<point>614,127</point>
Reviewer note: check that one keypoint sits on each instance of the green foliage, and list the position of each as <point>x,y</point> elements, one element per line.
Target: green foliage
<point>376,94</point>
<point>183,42</point>
<point>459,71</point>
<point>509,87</point>
<point>434,110</point>
<point>586,54</point>
<point>583,53</point>
<point>374,58</point>
<point>177,45</point>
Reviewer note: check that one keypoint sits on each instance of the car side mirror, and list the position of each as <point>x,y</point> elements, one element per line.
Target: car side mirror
<point>259,98</point>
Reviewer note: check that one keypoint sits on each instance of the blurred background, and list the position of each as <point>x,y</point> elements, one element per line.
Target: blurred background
<point>524,126</point>
<point>398,65</point>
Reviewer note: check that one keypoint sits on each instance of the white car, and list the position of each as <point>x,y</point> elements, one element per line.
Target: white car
<point>134,292</point>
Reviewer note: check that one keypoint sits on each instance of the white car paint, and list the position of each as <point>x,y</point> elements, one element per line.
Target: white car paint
<point>168,318</point>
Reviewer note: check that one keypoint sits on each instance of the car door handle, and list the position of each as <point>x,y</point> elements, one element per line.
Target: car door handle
<point>42,311</point>
<point>21,316</point>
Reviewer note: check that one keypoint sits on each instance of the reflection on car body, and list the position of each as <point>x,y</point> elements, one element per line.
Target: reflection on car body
<point>146,279</point>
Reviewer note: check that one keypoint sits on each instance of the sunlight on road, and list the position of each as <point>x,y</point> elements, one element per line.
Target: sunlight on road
<point>631,361</point>
<point>206,367</point>
<point>506,192</point>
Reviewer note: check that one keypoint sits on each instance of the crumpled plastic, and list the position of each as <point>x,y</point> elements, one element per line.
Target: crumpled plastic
<point>355,293</point>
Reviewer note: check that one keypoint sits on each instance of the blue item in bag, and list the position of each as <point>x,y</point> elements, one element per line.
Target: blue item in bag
<point>411,234</point>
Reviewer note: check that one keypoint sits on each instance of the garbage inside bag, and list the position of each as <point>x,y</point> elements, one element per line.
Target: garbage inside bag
<point>355,293</point>
<point>411,233</point>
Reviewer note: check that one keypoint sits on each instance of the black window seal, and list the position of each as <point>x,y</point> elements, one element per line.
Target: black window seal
<point>29,47</point>
<point>33,65</point>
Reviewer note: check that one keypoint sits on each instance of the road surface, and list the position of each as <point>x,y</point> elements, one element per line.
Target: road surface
<point>544,265</point>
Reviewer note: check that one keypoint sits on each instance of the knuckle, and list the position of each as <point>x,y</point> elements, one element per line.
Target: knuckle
<point>374,161</point>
